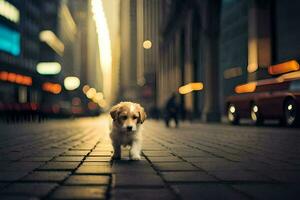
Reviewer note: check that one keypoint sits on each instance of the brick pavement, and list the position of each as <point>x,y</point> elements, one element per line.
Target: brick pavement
<point>71,159</point>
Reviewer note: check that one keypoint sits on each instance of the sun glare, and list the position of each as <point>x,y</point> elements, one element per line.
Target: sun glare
<point>104,44</point>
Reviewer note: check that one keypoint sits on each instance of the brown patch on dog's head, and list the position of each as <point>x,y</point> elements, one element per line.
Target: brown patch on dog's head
<point>114,111</point>
<point>142,113</point>
<point>128,115</point>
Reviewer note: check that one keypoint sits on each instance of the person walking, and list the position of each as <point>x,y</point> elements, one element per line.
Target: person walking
<point>171,110</point>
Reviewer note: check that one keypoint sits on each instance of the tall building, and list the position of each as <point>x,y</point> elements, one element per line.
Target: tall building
<point>100,73</point>
<point>254,35</point>
<point>139,26</point>
<point>181,55</point>
<point>128,62</point>
<point>112,13</point>
<point>19,52</point>
<point>233,46</point>
<point>59,34</point>
<point>149,17</point>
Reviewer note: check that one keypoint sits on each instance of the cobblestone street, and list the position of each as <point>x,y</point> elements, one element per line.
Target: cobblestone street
<point>71,159</point>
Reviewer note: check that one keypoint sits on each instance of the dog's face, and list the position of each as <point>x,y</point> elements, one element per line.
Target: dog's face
<point>128,116</point>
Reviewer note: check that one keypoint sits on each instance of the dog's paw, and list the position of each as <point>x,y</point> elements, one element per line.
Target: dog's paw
<point>135,157</point>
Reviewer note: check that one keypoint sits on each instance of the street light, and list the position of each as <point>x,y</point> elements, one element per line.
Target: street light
<point>98,97</point>
<point>147,44</point>
<point>71,83</point>
<point>190,87</point>
<point>284,67</point>
<point>48,68</point>
<point>85,88</point>
<point>91,93</point>
<point>53,41</point>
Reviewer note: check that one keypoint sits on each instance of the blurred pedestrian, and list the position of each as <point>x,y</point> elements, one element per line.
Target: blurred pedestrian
<point>171,110</point>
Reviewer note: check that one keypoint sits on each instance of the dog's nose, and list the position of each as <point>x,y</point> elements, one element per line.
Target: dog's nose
<point>129,128</point>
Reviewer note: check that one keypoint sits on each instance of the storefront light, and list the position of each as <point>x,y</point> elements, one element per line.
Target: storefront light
<point>147,44</point>
<point>10,40</point>
<point>71,83</point>
<point>9,11</point>
<point>190,87</point>
<point>48,68</point>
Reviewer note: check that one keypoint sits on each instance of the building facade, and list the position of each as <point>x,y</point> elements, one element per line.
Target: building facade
<point>19,53</point>
<point>188,46</point>
<point>254,35</point>
<point>55,31</point>
<point>249,36</point>
<point>139,22</point>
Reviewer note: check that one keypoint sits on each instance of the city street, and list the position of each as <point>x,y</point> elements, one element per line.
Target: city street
<point>65,64</point>
<point>71,159</point>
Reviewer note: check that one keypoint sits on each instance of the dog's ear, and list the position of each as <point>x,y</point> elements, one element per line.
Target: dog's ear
<point>114,111</point>
<point>142,114</point>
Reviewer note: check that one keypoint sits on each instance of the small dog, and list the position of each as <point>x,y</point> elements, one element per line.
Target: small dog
<point>126,130</point>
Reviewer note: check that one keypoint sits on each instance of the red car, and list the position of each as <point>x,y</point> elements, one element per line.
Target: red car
<point>275,98</point>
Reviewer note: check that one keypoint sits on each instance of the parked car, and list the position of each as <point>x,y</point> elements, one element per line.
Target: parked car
<point>274,98</point>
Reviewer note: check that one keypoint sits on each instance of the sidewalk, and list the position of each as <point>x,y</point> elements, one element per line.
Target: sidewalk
<point>71,160</point>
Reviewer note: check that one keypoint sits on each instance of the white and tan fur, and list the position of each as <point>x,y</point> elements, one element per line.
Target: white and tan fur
<point>126,128</point>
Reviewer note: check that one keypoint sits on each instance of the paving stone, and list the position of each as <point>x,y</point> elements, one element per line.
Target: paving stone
<point>219,166</point>
<point>157,153</point>
<point>136,167</point>
<point>21,166</point>
<point>239,175</point>
<point>46,176</point>
<point>11,176</point>
<point>255,166</point>
<point>60,166</point>
<point>49,152</point>
<point>269,191</point>
<point>87,180</point>
<point>207,191</point>
<point>175,166</point>
<point>30,189</point>
<point>284,166</point>
<point>205,159</point>
<point>164,159</point>
<point>82,148</point>
<point>101,153</point>
<point>108,164</point>
<point>181,148</point>
<point>12,156</point>
<point>38,158</point>
<point>91,169</point>
<point>194,153</point>
<point>130,180</point>
<point>97,159</point>
<point>153,147</point>
<point>104,148</point>
<point>69,158</point>
<point>17,197</point>
<point>76,153</point>
<point>283,176</point>
<point>80,192</point>
<point>269,157</point>
<point>145,194</point>
<point>189,176</point>
<point>137,163</point>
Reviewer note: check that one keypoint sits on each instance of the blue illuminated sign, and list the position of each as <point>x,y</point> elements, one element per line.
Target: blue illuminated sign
<point>9,41</point>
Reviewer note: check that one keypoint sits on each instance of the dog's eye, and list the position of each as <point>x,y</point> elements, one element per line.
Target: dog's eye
<point>124,117</point>
<point>134,117</point>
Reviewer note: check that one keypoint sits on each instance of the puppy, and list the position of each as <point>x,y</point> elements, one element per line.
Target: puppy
<point>126,128</point>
